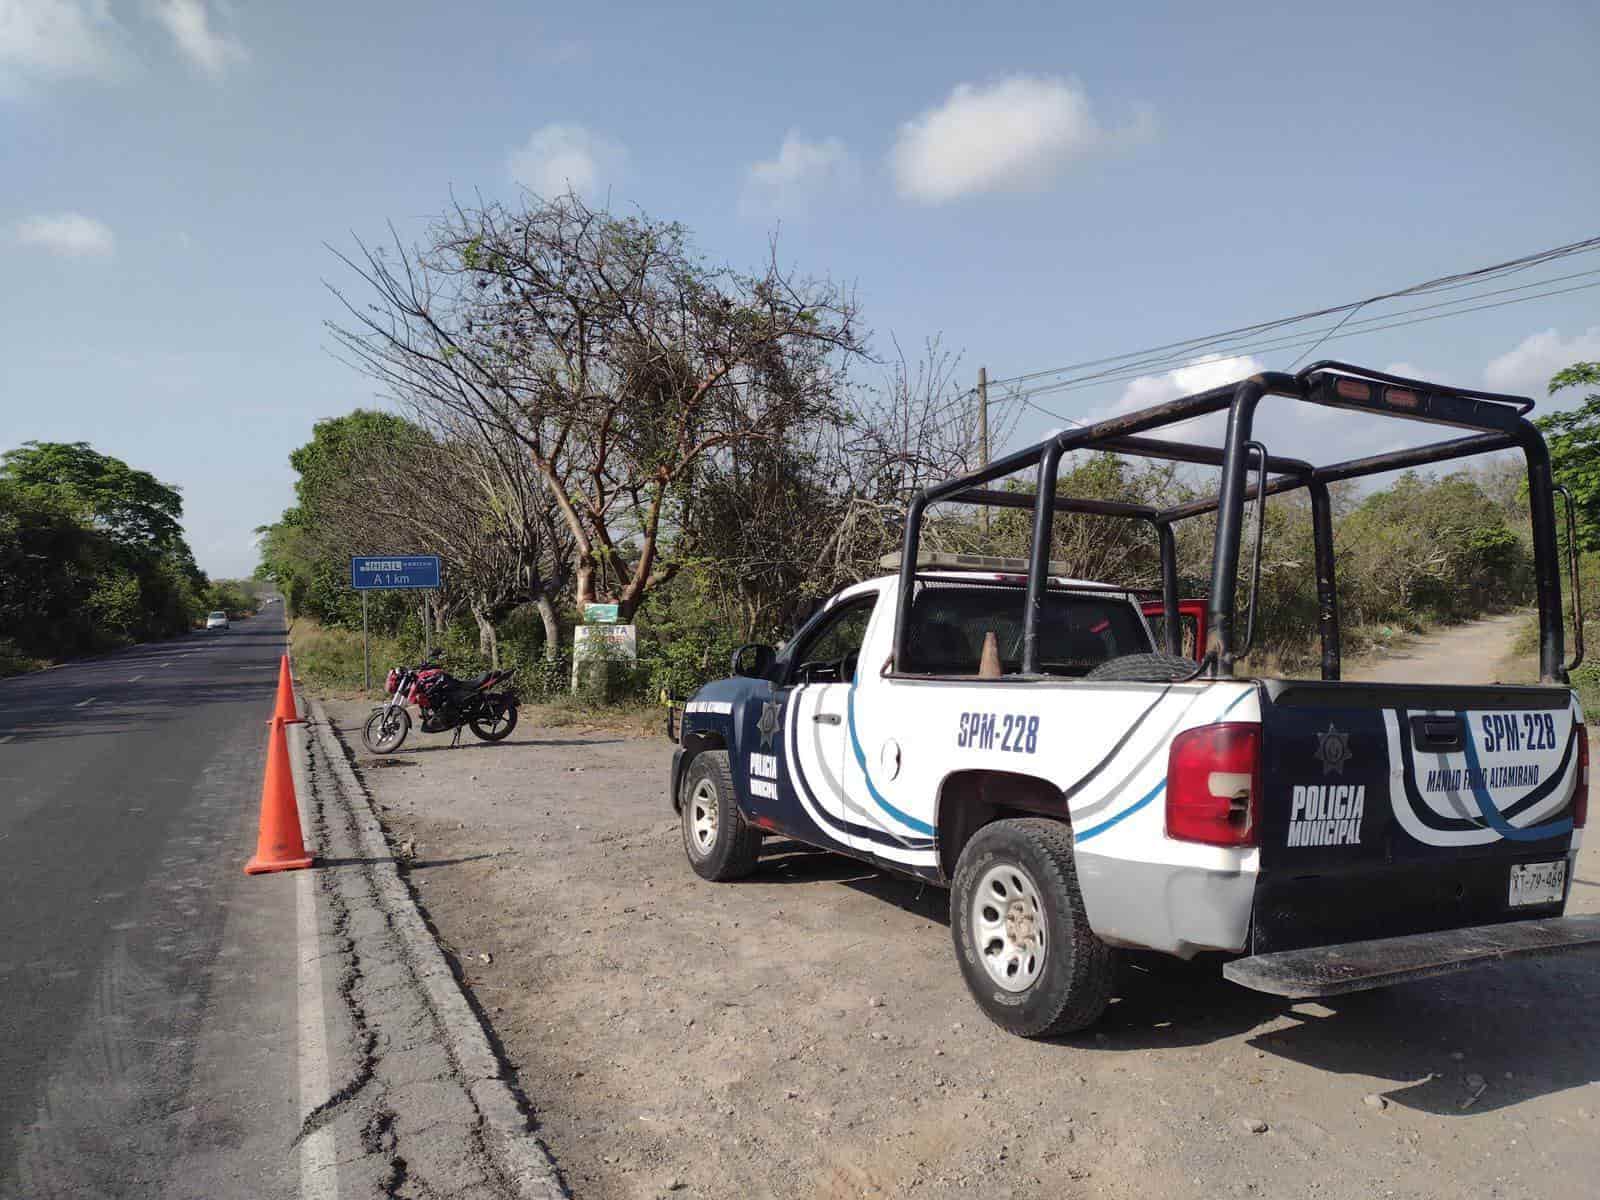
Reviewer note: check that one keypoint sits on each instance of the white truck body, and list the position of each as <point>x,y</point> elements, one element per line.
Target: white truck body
<point>1014,735</point>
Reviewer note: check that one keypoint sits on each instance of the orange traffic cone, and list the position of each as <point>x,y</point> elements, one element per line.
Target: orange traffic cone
<point>279,846</point>
<point>285,708</point>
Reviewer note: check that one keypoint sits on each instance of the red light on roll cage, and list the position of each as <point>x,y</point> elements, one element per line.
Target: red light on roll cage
<point>1353,389</point>
<point>1401,398</point>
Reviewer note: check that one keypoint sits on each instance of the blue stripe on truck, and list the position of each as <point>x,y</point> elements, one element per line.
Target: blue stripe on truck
<point>905,819</point>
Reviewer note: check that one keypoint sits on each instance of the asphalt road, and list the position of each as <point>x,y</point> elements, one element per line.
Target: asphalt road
<point>147,986</point>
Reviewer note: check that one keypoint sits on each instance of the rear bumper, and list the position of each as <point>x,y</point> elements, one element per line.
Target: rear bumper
<point>1357,966</point>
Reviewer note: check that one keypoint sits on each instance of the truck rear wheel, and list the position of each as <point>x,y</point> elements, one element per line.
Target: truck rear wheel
<point>1022,937</point>
<point>720,843</point>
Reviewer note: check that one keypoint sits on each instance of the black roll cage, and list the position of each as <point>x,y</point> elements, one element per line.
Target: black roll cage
<point>1498,422</point>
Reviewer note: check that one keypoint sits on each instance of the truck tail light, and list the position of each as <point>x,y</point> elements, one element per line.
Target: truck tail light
<point>1580,798</point>
<point>1214,784</point>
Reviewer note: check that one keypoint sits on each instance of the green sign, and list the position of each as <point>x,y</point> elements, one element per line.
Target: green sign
<point>600,614</point>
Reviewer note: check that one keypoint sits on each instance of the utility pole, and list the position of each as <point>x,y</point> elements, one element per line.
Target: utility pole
<point>983,433</point>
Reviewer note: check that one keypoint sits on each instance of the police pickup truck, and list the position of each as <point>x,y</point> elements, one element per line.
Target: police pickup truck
<point>1018,736</point>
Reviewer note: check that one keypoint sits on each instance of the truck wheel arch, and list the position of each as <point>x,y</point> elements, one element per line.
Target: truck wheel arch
<point>969,800</point>
<point>694,743</point>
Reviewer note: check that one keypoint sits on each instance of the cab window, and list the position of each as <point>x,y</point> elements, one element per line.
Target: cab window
<point>1077,631</point>
<point>828,652</point>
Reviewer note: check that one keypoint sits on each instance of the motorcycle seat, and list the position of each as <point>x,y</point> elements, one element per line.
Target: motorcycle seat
<point>462,689</point>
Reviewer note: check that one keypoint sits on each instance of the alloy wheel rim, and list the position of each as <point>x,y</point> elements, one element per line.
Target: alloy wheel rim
<point>703,817</point>
<point>1007,920</point>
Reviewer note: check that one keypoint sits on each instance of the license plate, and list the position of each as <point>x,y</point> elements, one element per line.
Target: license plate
<point>1537,883</point>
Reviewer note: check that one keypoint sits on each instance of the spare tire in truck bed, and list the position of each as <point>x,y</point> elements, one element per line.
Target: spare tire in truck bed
<point>1145,668</point>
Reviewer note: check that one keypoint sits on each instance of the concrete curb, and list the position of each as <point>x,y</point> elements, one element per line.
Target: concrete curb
<point>521,1157</point>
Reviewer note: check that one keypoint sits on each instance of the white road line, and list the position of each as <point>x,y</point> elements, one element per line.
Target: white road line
<point>319,1172</point>
<point>10,737</point>
<point>86,703</point>
<point>136,679</point>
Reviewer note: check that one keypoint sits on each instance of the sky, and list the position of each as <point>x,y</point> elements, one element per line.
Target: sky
<point>1033,184</point>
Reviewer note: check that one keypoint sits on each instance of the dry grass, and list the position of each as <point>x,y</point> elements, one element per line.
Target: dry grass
<point>328,661</point>
<point>632,719</point>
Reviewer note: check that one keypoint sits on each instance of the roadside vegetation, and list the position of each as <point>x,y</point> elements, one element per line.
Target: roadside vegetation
<point>92,557</point>
<point>1574,440</point>
<point>584,411</point>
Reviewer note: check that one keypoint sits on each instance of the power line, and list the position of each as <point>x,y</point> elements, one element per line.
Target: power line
<point>1305,338</point>
<point>1443,283</point>
<point>1291,340</point>
<point>1282,341</point>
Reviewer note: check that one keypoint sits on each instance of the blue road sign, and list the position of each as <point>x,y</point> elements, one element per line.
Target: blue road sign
<point>378,573</point>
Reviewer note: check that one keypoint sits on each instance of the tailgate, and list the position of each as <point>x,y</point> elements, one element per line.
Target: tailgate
<point>1394,809</point>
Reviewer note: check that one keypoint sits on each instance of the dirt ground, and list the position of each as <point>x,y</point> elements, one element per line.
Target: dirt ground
<point>806,1033</point>
<point>1474,652</point>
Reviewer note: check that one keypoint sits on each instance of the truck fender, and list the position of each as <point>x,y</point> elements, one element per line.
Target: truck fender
<point>969,800</point>
<point>694,742</point>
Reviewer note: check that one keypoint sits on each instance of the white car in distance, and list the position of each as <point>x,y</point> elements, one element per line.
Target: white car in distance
<point>216,620</point>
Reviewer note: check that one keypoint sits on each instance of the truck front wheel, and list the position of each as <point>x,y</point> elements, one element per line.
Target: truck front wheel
<point>1021,934</point>
<point>720,843</point>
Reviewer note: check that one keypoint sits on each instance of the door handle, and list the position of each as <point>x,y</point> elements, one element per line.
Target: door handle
<point>826,718</point>
<point>1438,735</point>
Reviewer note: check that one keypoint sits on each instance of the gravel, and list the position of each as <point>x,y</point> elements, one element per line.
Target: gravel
<point>724,1036</point>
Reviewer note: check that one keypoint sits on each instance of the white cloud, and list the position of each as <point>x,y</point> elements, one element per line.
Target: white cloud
<point>189,23</point>
<point>1525,370</point>
<point>1408,370</point>
<point>70,235</point>
<point>559,157</point>
<point>1016,133</point>
<point>1205,373</point>
<point>802,171</point>
<point>58,39</point>
<point>1213,370</point>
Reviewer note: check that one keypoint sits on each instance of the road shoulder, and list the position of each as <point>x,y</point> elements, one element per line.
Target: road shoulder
<point>424,1097</point>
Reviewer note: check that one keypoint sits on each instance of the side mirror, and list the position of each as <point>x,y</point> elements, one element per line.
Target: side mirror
<point>753,660</point>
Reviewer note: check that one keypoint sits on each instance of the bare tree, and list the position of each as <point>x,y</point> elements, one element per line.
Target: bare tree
<point>614,357</point>
<point>779,524</point>
<point>455,493</point>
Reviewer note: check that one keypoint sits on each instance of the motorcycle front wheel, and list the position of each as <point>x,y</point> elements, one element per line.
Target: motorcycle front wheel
<point>498,727</point>
<point>386,729</point>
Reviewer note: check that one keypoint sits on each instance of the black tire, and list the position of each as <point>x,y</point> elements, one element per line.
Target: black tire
<point>1071,986</point>
<point>720,843</point>
<point>385,737</point>
<point>497,732</point>
<point>1145,668</point>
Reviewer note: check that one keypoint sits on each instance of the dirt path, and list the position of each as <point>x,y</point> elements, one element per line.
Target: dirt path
<point>1477,652</point>
<point>806,1033</point>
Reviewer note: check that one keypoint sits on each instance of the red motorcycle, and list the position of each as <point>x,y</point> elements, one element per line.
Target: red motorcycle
<point>445,702</point>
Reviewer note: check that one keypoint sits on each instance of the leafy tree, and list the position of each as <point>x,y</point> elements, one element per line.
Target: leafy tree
<point>91,554</point>
<point>308,549</point>
<point>1429,548</point>
<point>374,483</point>
<point>1574,440</point>
<point>226,595</point>
<point>133,506</point>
